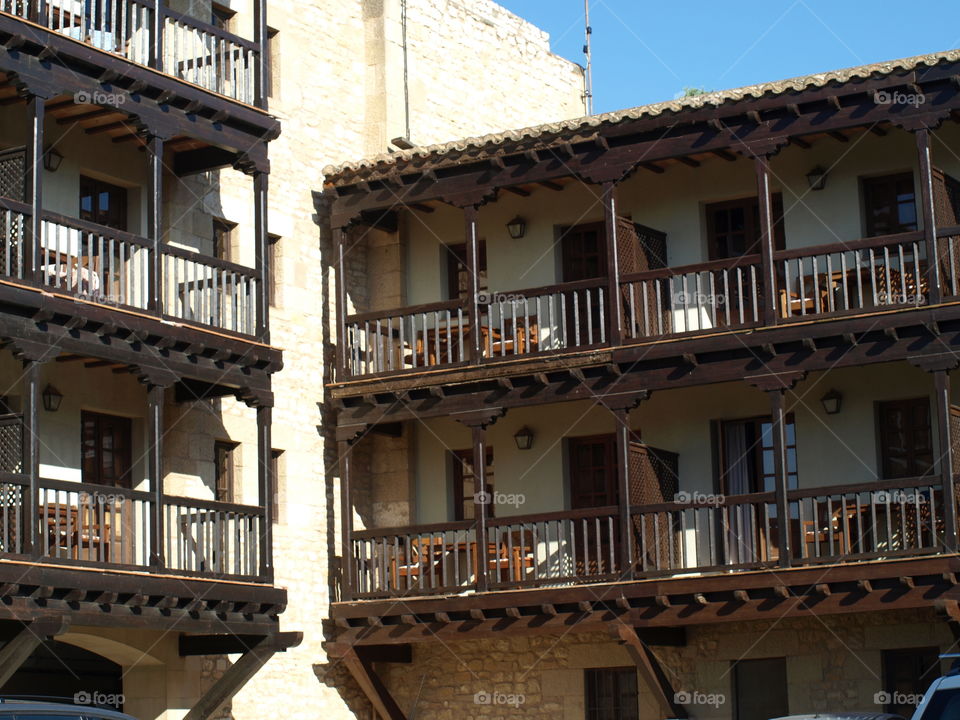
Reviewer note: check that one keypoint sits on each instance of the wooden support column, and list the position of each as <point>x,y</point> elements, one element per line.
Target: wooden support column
<point>361,668</point>
<point>238,674</point>
<point>941,383</point>
<point>928,212</point>
<point>475,345</point>
<point>33,181</point>
<point>155,397</point>
<point>155,223</point>
<point>615,312</point>
<point>340,280</point>
<point>22,645</point>
<point>621,411</point>
<point>650,670</point>
<point>767,236</point>
<point>779,419</point>
<point>347,436</point>
<point>31,454</point>
<point>261,77</point>
<point>156,36</point>
<point>478,421</point>
<point>262,240</point>
<point>265,482</point>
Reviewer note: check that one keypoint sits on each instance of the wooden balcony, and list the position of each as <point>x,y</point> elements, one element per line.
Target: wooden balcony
<point>89,263</point>
<point>146,33</point>
<point>820,282</point>
<point>80,524</point>
<point>709,536</point>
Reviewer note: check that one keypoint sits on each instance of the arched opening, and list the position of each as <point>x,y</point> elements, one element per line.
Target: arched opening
<point>60,672</point>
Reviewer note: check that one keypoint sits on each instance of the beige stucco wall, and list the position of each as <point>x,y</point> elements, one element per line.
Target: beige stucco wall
<point>671,202</point>
<point>832,450</point>
<point>833,664</point>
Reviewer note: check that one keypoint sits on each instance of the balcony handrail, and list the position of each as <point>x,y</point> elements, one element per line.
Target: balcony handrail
<point>217,505</point>
<point>552,289</point>
<point>580,513</point>
<point>209,260</point>
<point>9,478</point>
<point>722,264</point>
<point>948,231</point>
<point>87,226</point>
<point>371,533</point>
<point>852,488</point>
<point>839,247</point>
<point>728,500</point>
<point>15,205</point>
<point>209,29</point>
<point>408,310</point>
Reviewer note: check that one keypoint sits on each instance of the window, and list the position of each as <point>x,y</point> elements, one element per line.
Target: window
<point>222,238</point>
<point>106,441</point>
<point>889,204</point>
<point>223,471</point>
<point>273,259</point>
<point>463,500</point>
<point>747,456</point>
<point>760,689</point>
<point>611,694</point>
<point>220,16</point>
<point>103,203</point>
<point>733,227</point>
<point>906,438</point>
<point>592,471</point>
<point>273,63</point>
<point>275,477</point>
<point>907,674</point>
<point>457,270</point>
<point>583,250</point>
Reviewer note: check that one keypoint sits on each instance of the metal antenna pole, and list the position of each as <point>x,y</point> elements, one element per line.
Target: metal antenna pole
<point>588,79</point>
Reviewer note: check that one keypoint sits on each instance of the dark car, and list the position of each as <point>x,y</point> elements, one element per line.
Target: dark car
<point>30,710</point>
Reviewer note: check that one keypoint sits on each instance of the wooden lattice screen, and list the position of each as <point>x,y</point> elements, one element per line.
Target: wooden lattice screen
<point>639,249</point>
<point>946,203</point>
<point>11,443</point>
<point>653,480</point>
<point>12,168</point>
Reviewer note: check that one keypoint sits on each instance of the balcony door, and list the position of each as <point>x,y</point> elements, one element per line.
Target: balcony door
<point>583,252</point>
<point>593,484</point>
<point>107,455</point>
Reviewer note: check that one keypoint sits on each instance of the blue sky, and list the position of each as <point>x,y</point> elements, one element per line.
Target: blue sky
<point>648,50</point>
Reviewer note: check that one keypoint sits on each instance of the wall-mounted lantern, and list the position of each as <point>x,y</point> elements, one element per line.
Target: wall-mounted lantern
<point>831,402</point>
<point>524,438</point>
<point>51,398</point>
<point>517,228</point>
<point>52,160</point>
<point>817,178</point>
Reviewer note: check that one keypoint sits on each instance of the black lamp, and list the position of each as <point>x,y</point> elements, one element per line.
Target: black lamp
<point>52,160</point>
<point>831,402</point>
<point>51,398</point>
<point>817,178</point>
<point>517,227</point>
<point>524,438</point>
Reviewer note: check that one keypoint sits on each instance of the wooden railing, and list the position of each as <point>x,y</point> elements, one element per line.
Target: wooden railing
<point>188,49</point>
<point>109,526</point>
<point>694,534</point>
<point>719,294</point>
<point>840,279</point>
<point>110,267</point>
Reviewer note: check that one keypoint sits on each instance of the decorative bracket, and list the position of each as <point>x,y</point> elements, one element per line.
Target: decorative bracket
<point>776,381</point>
<point>479,418</point>
<point>934,363</point>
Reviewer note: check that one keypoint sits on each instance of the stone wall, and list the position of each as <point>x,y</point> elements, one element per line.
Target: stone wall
<point>833,664</point>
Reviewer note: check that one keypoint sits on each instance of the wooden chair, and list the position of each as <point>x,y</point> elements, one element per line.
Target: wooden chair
<point>425,561</point>
<point>512,558</point>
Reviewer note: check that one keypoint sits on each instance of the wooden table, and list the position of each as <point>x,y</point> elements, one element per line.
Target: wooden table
<point>73,527</point>
<point>428,559</point>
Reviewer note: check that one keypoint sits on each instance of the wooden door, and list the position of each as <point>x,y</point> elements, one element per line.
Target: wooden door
<point>593,483</point>
<point>106,528</point>
<point>107,442</point>
<point>583,257</point>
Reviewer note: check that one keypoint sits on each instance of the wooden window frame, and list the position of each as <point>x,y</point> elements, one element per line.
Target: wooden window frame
<point>273,63</point>
<point>867,193</point>
<point>883,458</point>
<point>894,658</point>
<point>273,242</point>
<point>93,472</point>
<point>224,480</point>
<point>222,17</point>
<point>116,219</point>
<point>621,698</point>
<point>457,460</point>
<point>607,439</point>
<point>756,451</point>
<point>275,455</point>
<point>456,262</point>
<point>751,207</point>
<point>565,237</point>
<point>752,686</point>
<point>222,234</point>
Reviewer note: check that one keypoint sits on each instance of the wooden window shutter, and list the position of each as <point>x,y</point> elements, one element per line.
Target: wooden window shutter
<point>653,480</point>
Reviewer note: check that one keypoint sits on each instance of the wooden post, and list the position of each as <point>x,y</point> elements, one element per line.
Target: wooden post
<point>340,280</point>
<point>613,265</point>
<point>941,382</point>
<point>266,484</point>
<point>262,240</point>
<point>481,502</point>
<point>156,36</point>
<point>780,470</point>
<point>36,111</point>
<point>627,559</point>
<point>155,398</point>
<point>261,79</point>
<point>155,224</point>
<point>348,583</point>
<point>767,235</point>
<point>928,213</point>
<point>31,454</point>
<point>473,265</point>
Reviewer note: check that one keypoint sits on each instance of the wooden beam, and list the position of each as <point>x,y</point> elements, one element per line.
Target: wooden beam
<point>652,167</point>
<point>83,117</point>
<point>22,645</point>
<point>361,668</point>
<point>550,185</point>
<point>689,161</point>
<point>517,191</point>
<point>657,681</point>
<point>837,135</point>
<point>725,155</point>
<point>238,674</point>
<point>190,645</point>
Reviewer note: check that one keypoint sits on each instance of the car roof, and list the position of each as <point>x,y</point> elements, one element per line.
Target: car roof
<point>17,707</point>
